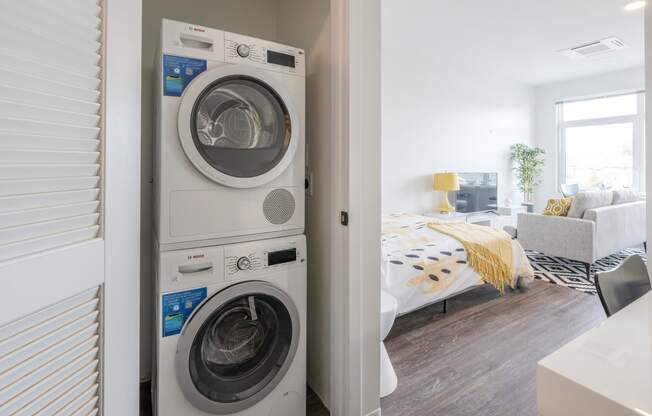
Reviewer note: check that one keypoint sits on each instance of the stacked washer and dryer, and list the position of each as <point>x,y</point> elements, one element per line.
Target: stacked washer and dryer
<point>230,261</point>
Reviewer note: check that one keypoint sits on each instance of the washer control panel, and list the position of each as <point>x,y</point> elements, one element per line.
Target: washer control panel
<point>243,259</point>
<point>179,270</point>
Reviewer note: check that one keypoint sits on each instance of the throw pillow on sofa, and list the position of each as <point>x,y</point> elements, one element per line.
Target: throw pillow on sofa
<point>623,196</point>
<point>589,200</point>
<point>558,206</point>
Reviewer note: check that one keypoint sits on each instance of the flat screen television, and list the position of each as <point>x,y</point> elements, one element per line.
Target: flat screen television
<point>478,192</point>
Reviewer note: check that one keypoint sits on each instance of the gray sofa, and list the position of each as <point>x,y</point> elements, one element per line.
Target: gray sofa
<point>598,224</point>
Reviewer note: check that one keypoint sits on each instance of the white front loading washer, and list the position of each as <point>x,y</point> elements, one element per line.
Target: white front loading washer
<point>230,145</point>
<point>231,330</point>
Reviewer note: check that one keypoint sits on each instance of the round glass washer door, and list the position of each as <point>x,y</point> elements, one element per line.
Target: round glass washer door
<point>237,126</point>
<point>237,347</point>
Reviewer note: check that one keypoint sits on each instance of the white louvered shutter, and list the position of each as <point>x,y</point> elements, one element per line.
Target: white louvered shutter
<point>51,243</point>
<point>49,360</point>
<point>50,124</point>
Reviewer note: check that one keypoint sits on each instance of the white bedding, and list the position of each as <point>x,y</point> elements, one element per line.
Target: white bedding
<point>420,266</point>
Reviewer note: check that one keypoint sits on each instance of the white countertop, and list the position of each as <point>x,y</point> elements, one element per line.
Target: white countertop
<point>606,371</point>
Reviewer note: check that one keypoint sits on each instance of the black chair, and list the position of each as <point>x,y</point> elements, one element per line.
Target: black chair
<point>621,286</point>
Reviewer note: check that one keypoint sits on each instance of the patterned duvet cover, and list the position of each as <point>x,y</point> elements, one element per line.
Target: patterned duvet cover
<point>420,266</point>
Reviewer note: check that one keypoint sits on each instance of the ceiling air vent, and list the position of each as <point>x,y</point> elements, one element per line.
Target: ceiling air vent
<point>594,48</point>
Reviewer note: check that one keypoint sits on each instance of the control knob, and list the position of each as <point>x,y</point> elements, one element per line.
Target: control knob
<point>243,50</point>
<point>244,263</point>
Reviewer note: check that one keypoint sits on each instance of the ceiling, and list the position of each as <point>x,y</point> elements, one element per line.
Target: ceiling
<point>518,38</point>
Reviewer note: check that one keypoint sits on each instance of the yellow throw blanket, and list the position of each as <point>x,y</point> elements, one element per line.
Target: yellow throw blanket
<point>489,251</point>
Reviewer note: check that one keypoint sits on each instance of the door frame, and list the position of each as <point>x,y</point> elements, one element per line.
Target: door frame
<point>356,158</point>
<point>648,119</point>
<point>121,323</point>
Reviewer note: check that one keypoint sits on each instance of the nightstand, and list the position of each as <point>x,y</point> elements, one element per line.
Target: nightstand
<point>491,220</point>
<point>452,217</point>
<point>479,218</point>
<point>513,210</point>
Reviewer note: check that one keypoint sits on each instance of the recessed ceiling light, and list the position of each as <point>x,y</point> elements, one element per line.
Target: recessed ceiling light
<point>634,5</point>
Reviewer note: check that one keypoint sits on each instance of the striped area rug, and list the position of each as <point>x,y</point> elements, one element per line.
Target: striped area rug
<point>571,273</point>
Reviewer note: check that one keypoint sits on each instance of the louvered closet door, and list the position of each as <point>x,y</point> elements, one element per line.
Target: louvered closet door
<point>51,242</point>
<point>49,360</point>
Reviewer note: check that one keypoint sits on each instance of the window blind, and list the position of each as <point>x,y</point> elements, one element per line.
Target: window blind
<point>50,124</point>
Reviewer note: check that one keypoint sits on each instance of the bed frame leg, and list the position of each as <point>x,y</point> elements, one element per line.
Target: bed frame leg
<point>588,270</point>
<point>445,305</point>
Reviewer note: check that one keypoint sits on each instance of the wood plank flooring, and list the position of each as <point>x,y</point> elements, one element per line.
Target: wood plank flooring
<point>480,358</point>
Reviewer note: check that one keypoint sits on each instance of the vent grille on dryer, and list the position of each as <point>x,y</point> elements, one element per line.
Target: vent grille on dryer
<point>278,206</point>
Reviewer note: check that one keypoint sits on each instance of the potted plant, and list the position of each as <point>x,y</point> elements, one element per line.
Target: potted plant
<point>529,163</point>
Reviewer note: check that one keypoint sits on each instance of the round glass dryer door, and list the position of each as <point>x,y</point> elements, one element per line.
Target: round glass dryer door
<point>237,128</point>
<point>237,347</point>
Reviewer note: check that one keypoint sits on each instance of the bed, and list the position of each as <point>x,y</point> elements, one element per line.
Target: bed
<point>421,266</point>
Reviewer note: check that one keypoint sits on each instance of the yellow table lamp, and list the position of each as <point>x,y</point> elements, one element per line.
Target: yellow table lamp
<point>445,181</point>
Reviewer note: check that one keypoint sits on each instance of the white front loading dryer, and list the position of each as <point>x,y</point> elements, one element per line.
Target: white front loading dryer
<point>231,330</point>
<point>230,145</point>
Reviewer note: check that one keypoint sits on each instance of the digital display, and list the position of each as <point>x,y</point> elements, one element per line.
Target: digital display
<point>280,59</point>
<point>280,257</point>
<point>478,192</point>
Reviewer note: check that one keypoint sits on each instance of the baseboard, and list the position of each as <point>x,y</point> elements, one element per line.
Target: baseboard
<point>374,413</point>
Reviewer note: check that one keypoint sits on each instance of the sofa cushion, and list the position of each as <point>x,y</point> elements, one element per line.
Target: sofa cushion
<point>623,196</point>
<point>589,200</point>
<point>558,206</point>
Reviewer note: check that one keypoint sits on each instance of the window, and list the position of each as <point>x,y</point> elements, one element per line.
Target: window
<point>602,142</point>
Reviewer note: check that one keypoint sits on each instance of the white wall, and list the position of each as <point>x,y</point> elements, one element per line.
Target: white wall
<point>441,109</point>
<point>250,17</point>
<point>306,24</point>
<point>546,120</point>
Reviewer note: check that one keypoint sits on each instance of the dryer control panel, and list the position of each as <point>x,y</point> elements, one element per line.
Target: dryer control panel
<point>243,259</point>
<point>265,54</point>
<point>193,41</point>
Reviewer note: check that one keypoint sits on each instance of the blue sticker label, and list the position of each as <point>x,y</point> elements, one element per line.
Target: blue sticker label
<point>177,307</point>
<point>178,72</point>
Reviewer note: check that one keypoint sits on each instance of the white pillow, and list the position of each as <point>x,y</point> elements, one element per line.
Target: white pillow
<point>623,196</point>
<point>589,200</point>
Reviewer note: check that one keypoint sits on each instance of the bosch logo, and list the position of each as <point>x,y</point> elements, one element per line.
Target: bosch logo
<point>197,29</point>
